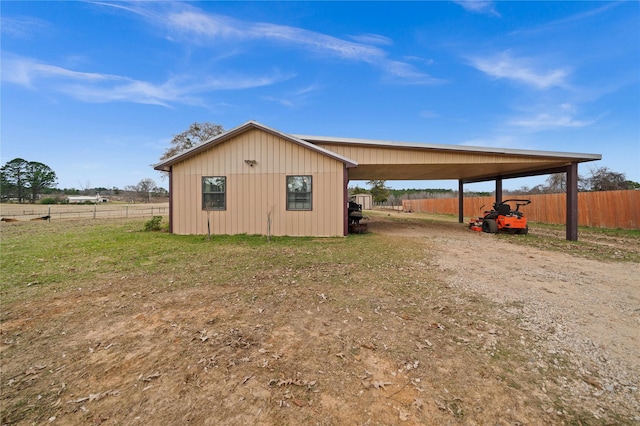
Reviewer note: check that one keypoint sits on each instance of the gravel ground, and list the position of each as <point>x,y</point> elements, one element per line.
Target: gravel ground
<point>583,312</point>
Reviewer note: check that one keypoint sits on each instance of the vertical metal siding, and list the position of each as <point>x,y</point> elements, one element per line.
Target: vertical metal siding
<point>253,191</point>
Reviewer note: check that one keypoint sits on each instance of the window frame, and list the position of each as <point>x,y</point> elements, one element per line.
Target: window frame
<point>204,194</point>
<point>309,193</point>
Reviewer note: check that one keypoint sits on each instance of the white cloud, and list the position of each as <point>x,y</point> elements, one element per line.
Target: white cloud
<point>195,26</point>
<point>25,71</point>
<point>194,22</point>
<point>100,88</point>
<point>544,121</point>
<point>378,39</point>
<point>429,114</point>
<point>521,70</point>
<point>408,73</point>
<point>561,116</point>
<point>479,6</point>
<point>21,27</point>
<point>295,98</point>
<point>603,7</point>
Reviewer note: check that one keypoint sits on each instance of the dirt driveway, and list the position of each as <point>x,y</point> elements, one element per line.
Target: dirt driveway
<point>586,309</point>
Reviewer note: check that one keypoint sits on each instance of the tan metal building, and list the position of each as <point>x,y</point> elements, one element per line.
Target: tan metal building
<point>257,180</point>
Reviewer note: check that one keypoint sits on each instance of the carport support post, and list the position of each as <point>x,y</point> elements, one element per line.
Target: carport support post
<point>345,201</point>
<point>171,200</point>
<point>460,201</point>
<point>572,202</point>
<point>498,191</point>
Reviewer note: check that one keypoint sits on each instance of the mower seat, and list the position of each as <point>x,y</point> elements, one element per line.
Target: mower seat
<point>504,209</point>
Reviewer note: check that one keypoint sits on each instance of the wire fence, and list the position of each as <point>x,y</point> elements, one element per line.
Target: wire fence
<point>25,212</point>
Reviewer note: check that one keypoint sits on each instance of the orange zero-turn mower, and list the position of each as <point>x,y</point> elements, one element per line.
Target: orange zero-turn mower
<point>502,219</point>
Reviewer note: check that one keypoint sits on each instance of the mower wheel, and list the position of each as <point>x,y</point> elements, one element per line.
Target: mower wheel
<point>524,230</point>
<point>490,226</point>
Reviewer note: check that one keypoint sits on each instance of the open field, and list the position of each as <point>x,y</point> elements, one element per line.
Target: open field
<point>25,212</point>
<point>420,321</point>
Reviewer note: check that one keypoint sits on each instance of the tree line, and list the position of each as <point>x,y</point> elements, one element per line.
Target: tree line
<point>30,181</point>
<point>599,179</point>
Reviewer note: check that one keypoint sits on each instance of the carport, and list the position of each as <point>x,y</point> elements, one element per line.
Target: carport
<point>389,160</point>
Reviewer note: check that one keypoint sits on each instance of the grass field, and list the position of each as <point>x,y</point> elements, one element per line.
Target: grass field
<point>26,212</point>
<point>102,322</point>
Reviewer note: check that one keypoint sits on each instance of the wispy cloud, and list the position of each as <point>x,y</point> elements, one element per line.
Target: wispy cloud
<point>100,88</point>
<point>376,39</point>
<point>522,70</point>
<point>602,8</point>
<point>22,27</point>
<point>193,22</point>
<point>26,72</point>
<point>193,25</point>
<point>429,114</point>
<point>546,121</point>
<point>562,116</point>
<point>294,99</point>
<point>479,6</point>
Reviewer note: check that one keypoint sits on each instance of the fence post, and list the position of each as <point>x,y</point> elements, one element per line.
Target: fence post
<point>126,212</point>
<point>94,211</point>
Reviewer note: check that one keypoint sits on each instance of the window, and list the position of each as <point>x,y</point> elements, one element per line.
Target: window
<point>298,192</point>
<point>214,193</point>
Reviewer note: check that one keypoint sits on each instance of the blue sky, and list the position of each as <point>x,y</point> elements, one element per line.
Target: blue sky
<point>96,90</point>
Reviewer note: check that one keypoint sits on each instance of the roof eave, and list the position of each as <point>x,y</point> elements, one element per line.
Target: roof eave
<point>577,156</point>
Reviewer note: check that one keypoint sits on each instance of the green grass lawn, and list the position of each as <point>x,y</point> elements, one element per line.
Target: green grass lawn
<point>59,255</point>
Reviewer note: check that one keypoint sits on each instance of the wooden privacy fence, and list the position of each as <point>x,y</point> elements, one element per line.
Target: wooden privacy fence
<point>603,209</point>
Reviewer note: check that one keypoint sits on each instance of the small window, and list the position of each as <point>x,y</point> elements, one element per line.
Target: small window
<point>214,193</point>
<point>298,192</point>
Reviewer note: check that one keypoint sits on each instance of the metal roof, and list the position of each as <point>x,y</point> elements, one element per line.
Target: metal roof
<point>517,163</point>
<point>444,147</point>
<point>529,162</point>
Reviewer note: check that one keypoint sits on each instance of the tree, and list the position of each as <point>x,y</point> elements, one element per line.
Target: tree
<point>379,192</point>
<point>160,192</point>
<point>557,182</point>
<point>357,190</point>
<point>603,179</point>
<point>195,135</point>
<point>13,177</point>
<point>633,185</point>
<point>18,178</point>
<point>132,191</point>
<point>39,177</point>
<point>145,187</point>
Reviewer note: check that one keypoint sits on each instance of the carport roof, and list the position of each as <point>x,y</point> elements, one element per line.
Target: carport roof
<point>465,163</point>
<point>369,159</point>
